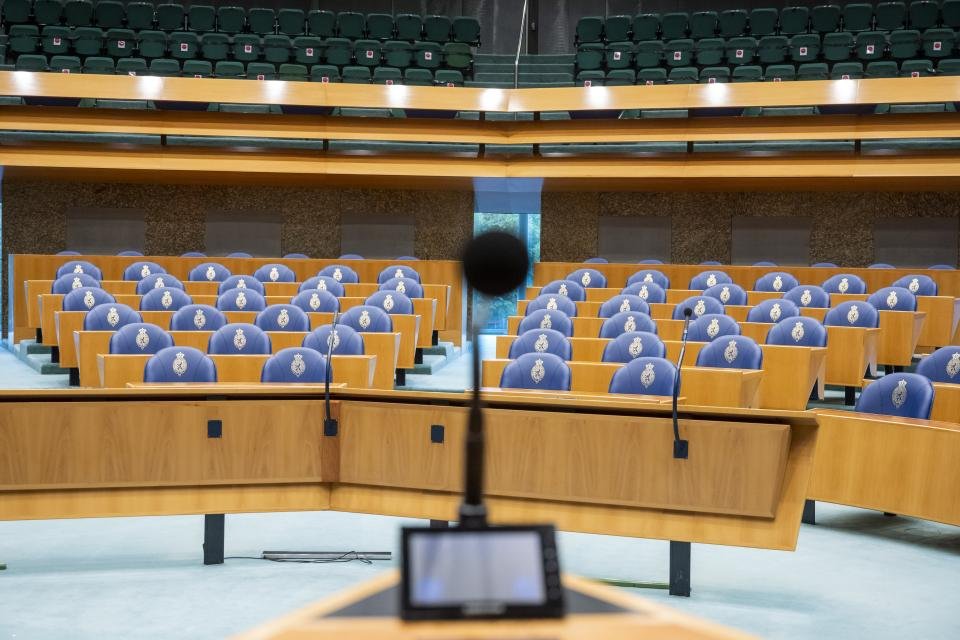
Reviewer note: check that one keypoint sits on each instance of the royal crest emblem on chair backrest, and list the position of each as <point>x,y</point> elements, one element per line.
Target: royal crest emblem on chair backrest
<point>625,305</point>
<point>76,284</point>
<point>401,288</point>
<point>853,315</point>
<point>199,320</point>
<point>398,273</point>
<point>775,311</point>
<point>143,339</point>
<point>166,300</point>
<point>145,271</point>
<point>113,317</point>
<point>644,293</point>
<point>563,289</point>
<point>777,283</point>
<point>725,295</point>
<point>88,300</point>
<point>700,308</point>
<point>538,372</point>
<point>648,376</point>
<point>274,274</point>
<point>321,284</point>
<point>388,303</point>
<point>239,340</point>
<point>648,277</point>
<point>314,301</point>
<point>364,319</point>
<point>797,332</point>
<point>899,395</point>
<point>844,285</point>
<point>333,340</point>
<point>806,297</point>
<point>337,274</point>
<point>892,300</point>
<point>636,347</point>
<point>714,328</point>
<point>298,366</point>
<point>914,285</point>
<point>241,300</point>
<point>585,279</point>
<point>158,283</point>
<point>552,304</point>
<point>630,324</point>
<point>211,273</point>
<point>711,279</point>
<point>731,352</point>
<point>78,268</point>
<point>180,364</point>
<point>542,344</point>
<point>953,366</point>
<point>546,322</point>
<point>283,318</point>
<point>241,284</point>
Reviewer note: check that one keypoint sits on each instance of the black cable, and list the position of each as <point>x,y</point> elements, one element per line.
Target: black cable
<point>349,556</point>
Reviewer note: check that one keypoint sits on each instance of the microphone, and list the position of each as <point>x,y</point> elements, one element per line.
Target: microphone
<point>681,448</point>
<point>329,424</point>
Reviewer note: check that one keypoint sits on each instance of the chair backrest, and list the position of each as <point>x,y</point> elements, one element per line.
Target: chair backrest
<point>596,260</point>
<point>140,337</point>
<point>699,305</point>
<point>775,281</point>
<point>69,252</point>
<point>552,302</point>
<point>193,254</point>
<point>283,317</point>
<point>706,279</point>
<point>764,263</point>
<point>407,286</point>
<point>943,365</point>
<point>649,292</point>
<point>627,322</point>
<point>240,282</point>
<point>86,298</point>
<point>70,281</point>
<point>942,267</point>
<point>881,265</point>
<point>241,300</point>
<point>649,376</point>
<point>711,326</point>
<point>275,272</point>
<point>345,341</point>
<point>824,264</point>
<point>808,295</point>
<point>918,285</point>
<point>798,331</point>
<point>129,253</point>
<point>295,364</point>
<point>852,314</point>
<point>541,341</point>
<point>109,317</point>
<point>893,299</point>
<point>239,338</point>
<point>844,283</point>
<point>158,281</point>
<point>727,293</point>
<point>623,302</point>
<point>197,317</point>
<point>239,254</point>
<point>209,272</point>
<point>650,276</point>
<point>141,269</point>
<point>398,271</point>
<point>537,371</point>
<point>732,352</point>
<point>772,311</point>
<point>80,266</point>
<point>547,319</point>
<point>588,278</point>
<point>316,300</point>
<point>391,302</point>
<point>164,299</point>
<point>366,318</point>
<point>295,256</point>
<point>351,256</point>
<point>907,395</point>
<point>568,288</point>
<point>633,344</point>
<point>180,364</point>
<point>323,283</point>
<point>341,273</point>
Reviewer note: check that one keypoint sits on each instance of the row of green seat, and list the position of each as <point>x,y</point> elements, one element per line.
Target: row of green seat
<point>854,17</point>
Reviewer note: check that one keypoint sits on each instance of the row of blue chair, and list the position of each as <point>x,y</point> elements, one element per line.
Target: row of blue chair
<point>236,254</point>
<point>189,364</point>
<point>767,263</point>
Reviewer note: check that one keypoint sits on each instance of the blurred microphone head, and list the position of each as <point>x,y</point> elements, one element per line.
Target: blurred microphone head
<point>687,312</point>
<point>495,263</point>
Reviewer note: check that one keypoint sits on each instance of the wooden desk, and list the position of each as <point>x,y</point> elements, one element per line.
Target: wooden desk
<point>899,335</point>
<point>850,352</point>
<point>946,402</point>
<point>942,326</point>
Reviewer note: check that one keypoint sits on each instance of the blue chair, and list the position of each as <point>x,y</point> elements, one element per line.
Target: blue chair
<point>323,283</point>
<point>699,305</point>
<point>68,252</point>
<point>623,302</point>
<point>351,256</point>
<point>541,341</point>
<point>398,271</point>
<point>314,300</point>
<point>164,299</point>
<point>942,267</point>
<point>552,303</point>
<point>86,298</point>
<point>649,276</point>
<point>296,256</point>
<point>711,263</point>
<point>239,338</point>
<point>776,281</point>
<point>239,254</point>
<point>881,265</point>
<point>109,317</point>
<point>407,258</point>
<point>193,254</point>
<point>80,266</point>
<point>589,278</point>
<point>158,281</point>
<point>142,269</point>
<point>209,272</point>
<point>650,261</point>
<point>824,264</point>
<point>727,293</point>
<point>808,295</point>
<point>707,279</point>
<point>180,364</point>
<point>391,302</point>
<point>732,352</point>
<point>597,260</point>
<point>798,331</point>
<point>845,283</point>
<point>283,317</point>
<point>627,322</point>
<point>547,319</point>
<point>241,300</point>
<point>295,364</point>
<point>197,317</point>
<point>918,285</point>
<point>650,292</point>
<point>648,376</point>
<point>568,288</point>
<point>275,272</point>
<point>129,254</point>
<point>852,314</point>
<point>407,286</point>
<point>943,365</point>
<point>772,311</point>
<point>905,395</point>
<point>765,263</point>
<point>366,318</point>
<point>543,371</point>
<point>140,337</point>
<point>893,299</point>
<point>346,341</point>
<point>241,282</point>
<point>633,344</point>
<point>341,273</point>
<point>67,283</point>
<point>711,326</point>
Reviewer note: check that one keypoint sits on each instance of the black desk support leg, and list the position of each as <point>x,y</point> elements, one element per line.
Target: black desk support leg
<point>213,538</point>
<point>679,568</point>
<point>809,512</point>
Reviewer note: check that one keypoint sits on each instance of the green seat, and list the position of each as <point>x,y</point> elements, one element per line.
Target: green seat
<point>121,43</point>
<point>857,17</point>
<point>16,11</point>
<point>427,54</point>
<point>409,28</point>
<point>457,55</point>
<point>324,73</point>
<point>673,26</point>
<point>825,18</point>
<point>772,49</point>
<point>262,20</point>
<point>652,76</point>
<point>231,19</point>
<point>140,15</point>
<point>88,41</point>
<point>354,74</point>
<point>620,77</point>
<point>291,22</point>
<point>924,14</point>
<point>246,47</point>
<point>31,62</point>
<point>215,46</point>
<point>184,45</point>
<point>890,16</point>
<point>592,78</point>
<point>108,14</point>
<point>449,78</point>
<point>683,75</point>
<point>387,75</point>
<point>741,50</point>
<point>276,48</point>
<point>436,28</point>
<point>648,53</point>
<point>646,26</point>
<point>339,51</point>
<point>813,71</point>
<point>44,12</point>
<point>882,69</point>
<point>713,75</point>
<point>261,71</point>
<point>733,23</point>
<point>228,69</point>
<point>589,29</point>
<point>131,67</point>
<point>418,77</point>
<point>170,16</point>
<point>380,26</point>
<point>780,73</point>
<point>351,25</point>
<point>293,72</point>
<point>616,28</point>
<point>938,43</point>
<point>55,39</point>
<point>837,47</point>
<point>367,53</point>
<point>916,68</point>
<point>152,44</point>
<point>763,22</point>
<point>904,44</point>
<point>78,13</point>
<point>590,56</point>
<point>805,47</point>
<point>397,53</point>
<point>619,55</point>
<point>847,71</point>
<point>307,50</point>
<point>704,24</point>
<point>101,65</point>
<point>949,67</point>
<point>794,20</point>
<point>870,45</point>
<point>65,64</point>
<point>709,51</point>
<point>467,30</point>
<point>201,17</point>
<point>678,53</point>
<point>747,73</point>
<point>164,67</point>
<point>321,23</point>
<point>25,38</point>
<point>950,13</point>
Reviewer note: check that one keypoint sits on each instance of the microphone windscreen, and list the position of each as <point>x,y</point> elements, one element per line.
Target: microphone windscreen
<point>495,263</point>
<point>687,312</point>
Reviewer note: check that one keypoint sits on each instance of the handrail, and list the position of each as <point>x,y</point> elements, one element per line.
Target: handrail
<point>516,61</point>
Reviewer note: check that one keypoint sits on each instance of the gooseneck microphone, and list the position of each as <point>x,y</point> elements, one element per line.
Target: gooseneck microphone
<point>494,263</point>
<point>329,424</point>
<point>681,448</point>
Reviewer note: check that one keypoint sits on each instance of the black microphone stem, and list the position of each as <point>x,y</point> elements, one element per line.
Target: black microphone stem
<point>680,447</point>
<point>329,424</point>
<point>473,513</point>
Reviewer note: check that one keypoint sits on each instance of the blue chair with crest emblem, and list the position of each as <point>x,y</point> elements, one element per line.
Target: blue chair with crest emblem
<point>197,317</point>
<point>239,338</point>
<point>905,395</point>
<point>351,256</point>
<point>283,317</point>
<point>943,365</point>
<point>398,271</point>
<point>711,326</point>
<point>650,261</point>
<point>241,300</point>
<point>731,352</point>
<point>180,364</point>
<point>141,269</point>
<point>295,256</point>
<point>824,264</point>
<point>776,282</point>
<point>597,260</point>
<point>707,279</point>
<point>727,293</point>
<point>554,302</point>
<point>67,283</point>
<point>547,319</point>
<point>893,299</point>
<point>568,288</point>
<point>341,273</point>
<point>275,272</point>
<point>86,298</point>
<point>650,292</point>
<point>158,281</point>
<point>845,283</point>
<point>650,276</point>
<point>366,318</point>
<point>193,254</point>
<point>316,300</point>
<point>139,337</point>
<point>918,285</point>
<point>852,314</point>
<point>764,263</point>
<point>240,282</point>
<point>627,322</point>
<point>798,331</point>
<point>323,283</point>
<point>623,302</point>
<point>109,317</point>
<point>345,341</point>
<point>772,311</point>
<point>648,376</point>
<point>881,265</point>
<point>130,253</point>
<point>164,299</point>
<point>407,286</point>
<point>80,266</point>
<point>589,278</point>
<point>209,272</point>
<point>543,371</point>
<point>699,305</point>
<point>808,295</point>
<point>238,254</point>
<point>391,302</point>
<point>541,341</point>
<point>630,345</point>
<point>295,364</point>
